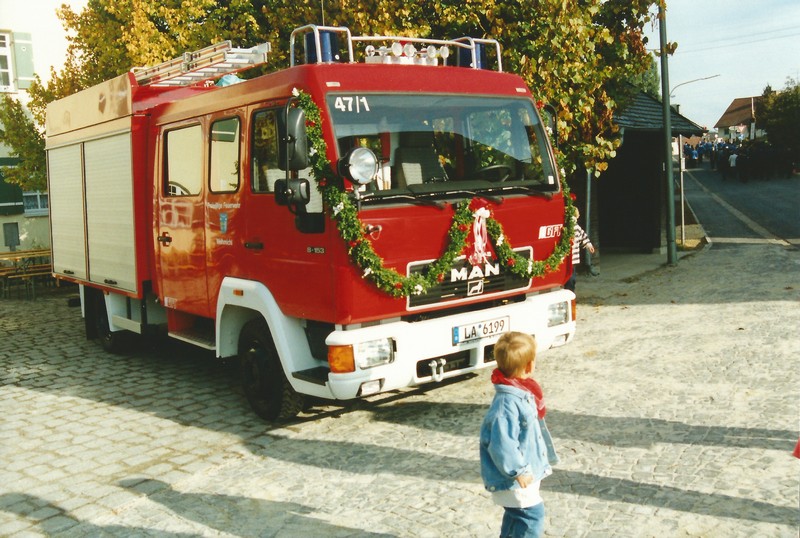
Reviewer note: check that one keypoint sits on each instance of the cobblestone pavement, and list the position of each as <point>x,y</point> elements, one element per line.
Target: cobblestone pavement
<point>674,411</point>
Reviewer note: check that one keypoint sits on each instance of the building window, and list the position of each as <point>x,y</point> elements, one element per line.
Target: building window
<point>6,74</point>
<point>36,203</point>
<point>11,235</point>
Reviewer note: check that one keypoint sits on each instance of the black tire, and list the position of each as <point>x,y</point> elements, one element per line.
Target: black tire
<point>263,380</point>
<point>112,342</point>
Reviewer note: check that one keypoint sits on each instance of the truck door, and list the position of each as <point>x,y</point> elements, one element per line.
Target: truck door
<point>294,265</point>
<point>223,203</point>
<point>181,221</point>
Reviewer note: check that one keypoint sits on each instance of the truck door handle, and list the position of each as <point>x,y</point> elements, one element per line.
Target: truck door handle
<point>255,245</point>
<point>165,239</point>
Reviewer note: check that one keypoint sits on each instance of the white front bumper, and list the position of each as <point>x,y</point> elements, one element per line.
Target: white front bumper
<point>433,339</point>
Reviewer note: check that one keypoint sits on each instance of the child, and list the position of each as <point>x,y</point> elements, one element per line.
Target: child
<point>581,240</point>
<point>516,450</point>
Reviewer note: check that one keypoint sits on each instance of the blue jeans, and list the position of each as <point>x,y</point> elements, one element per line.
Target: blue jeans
<point>523,522</point>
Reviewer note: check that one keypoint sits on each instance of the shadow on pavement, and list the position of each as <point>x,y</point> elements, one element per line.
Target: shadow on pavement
<point>695,502</point>
<point>609,431</point>
<point>242,516</point>
<point>645,432</point>
<point>52,520</point>
<point>370,460</point>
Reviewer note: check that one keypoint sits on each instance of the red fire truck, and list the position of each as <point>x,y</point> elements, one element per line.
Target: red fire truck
<point>371,218</point>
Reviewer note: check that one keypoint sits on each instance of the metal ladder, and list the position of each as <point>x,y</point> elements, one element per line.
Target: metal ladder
<point>205,64</point>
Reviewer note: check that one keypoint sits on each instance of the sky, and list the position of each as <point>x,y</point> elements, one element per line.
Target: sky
<point>744,45</point>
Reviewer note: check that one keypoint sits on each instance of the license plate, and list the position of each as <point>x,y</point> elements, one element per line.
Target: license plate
<point>482,329</point>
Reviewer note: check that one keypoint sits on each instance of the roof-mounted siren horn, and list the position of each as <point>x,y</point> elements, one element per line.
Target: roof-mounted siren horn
<point>474,53</point>
<point>321,44</point>
<point>322,48</point>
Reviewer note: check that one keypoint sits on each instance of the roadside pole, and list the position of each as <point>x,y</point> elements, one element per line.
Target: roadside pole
<point>681,168</point>
<point>672,254</point>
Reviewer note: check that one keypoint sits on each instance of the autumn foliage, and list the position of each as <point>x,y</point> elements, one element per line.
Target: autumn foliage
<point>574,54</point>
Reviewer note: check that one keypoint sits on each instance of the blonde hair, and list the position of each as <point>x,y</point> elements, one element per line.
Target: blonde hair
<point>513,351</point>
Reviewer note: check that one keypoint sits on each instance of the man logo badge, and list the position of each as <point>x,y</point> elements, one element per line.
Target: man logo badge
<point>475,288</point>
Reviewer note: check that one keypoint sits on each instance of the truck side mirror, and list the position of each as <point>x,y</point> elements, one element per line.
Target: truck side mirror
<point>294,141</point>
<point>293,192</point>
<point>550,119</point>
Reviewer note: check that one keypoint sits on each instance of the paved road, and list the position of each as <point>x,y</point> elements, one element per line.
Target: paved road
<point>674,412</point>
<point>771,208</point>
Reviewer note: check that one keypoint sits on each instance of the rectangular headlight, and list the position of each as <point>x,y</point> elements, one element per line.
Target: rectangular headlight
<point>557,314</point>
<point>374,353</point>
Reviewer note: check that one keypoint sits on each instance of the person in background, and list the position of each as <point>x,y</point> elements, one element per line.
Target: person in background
<point>579,241</point>
<point>732,163</point>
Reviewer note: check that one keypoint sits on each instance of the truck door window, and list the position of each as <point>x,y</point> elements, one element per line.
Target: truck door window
<point>184,161</point>
<point>264,151</point>
<point>224,171</point>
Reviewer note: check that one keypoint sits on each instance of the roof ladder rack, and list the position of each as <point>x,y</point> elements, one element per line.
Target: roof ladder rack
<point>205,64</point>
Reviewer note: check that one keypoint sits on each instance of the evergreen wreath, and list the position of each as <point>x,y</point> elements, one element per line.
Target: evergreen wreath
<point>341,209</point>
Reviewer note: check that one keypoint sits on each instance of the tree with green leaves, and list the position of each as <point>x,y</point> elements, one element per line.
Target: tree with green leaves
<point>648,81</point>
<point>18,129</point>
<point>575,54</point>
<point>780,116</point>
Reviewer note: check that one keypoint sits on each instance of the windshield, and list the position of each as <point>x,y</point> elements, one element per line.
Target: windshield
<point>433,143</point>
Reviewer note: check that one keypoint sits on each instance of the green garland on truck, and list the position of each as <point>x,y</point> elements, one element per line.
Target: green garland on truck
<point>342,210</point>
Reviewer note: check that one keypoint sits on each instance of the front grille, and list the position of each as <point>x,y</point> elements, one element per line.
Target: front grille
<point>463,308</point>
<point>468,282</point>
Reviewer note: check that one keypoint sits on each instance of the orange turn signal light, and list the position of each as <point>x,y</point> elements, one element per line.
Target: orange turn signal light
<point>341,359</point>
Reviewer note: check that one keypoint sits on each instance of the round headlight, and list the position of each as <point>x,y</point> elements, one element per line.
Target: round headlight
<point>360,165</point>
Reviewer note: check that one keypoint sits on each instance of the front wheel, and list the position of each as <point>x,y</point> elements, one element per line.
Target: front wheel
<point>264,383</point>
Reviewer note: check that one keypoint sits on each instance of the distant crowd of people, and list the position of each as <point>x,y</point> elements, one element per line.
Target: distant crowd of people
<point>751,160</point>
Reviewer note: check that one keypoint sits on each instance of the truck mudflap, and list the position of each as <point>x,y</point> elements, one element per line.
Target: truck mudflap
<point>436,349</point>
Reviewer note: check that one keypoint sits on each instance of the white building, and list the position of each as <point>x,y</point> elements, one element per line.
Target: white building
<point>32,39</point>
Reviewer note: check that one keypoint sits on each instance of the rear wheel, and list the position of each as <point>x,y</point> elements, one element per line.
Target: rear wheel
<point>113,342</point>
<point>265,385</point>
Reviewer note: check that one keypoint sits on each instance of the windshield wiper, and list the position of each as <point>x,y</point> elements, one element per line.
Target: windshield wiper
<point>493,199</point>
<point>530,191</point>
<point>413,199</point>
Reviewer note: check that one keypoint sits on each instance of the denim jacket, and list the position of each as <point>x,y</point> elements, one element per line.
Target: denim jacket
<point>514,441</point>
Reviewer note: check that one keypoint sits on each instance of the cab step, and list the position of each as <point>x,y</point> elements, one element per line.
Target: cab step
<point>198,337</point>
<point>317,375</point>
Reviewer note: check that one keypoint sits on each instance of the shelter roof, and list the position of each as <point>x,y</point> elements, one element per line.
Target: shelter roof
<point>646,113</point>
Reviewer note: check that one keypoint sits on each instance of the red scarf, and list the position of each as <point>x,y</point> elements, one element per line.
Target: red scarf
<point>528,384</point>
